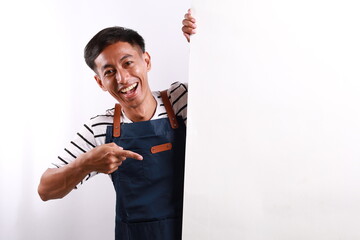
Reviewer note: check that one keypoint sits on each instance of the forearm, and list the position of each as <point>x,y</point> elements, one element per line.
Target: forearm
<point>58,182</point>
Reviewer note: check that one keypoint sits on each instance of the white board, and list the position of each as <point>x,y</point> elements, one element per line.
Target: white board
<point>273,149</point>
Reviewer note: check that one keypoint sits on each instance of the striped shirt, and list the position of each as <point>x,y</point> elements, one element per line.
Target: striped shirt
<point>93,132</point>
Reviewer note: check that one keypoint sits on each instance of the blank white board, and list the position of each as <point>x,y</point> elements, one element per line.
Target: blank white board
<point>273,149</point>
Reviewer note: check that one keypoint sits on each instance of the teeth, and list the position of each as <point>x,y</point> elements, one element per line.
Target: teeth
<point>124,90</point>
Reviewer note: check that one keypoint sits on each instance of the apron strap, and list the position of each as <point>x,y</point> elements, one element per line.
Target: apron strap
<point>169,110</point>
<point>116,123</point>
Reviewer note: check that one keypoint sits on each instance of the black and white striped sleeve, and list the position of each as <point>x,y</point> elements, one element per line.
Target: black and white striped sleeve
<point>90,135</point>
<point>178,94</point>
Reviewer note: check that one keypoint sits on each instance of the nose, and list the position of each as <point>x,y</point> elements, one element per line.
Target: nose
<point>122,76</point>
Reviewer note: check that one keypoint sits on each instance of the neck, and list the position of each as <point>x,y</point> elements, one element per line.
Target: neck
<point>144,112</point>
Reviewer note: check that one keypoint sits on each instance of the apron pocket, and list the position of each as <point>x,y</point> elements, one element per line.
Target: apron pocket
<point>131,169</point>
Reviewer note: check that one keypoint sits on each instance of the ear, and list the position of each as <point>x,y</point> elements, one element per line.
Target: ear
<point>147,59</point>
<point>99,82</point>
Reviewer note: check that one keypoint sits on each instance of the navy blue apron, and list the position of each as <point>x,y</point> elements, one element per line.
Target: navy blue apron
<point>149,192</point>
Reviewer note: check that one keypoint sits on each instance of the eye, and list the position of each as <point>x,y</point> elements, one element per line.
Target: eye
<point>109,72</point>
<point>128,63</point>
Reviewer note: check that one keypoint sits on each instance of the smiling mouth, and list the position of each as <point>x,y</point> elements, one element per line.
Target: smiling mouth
<point>129,89</point>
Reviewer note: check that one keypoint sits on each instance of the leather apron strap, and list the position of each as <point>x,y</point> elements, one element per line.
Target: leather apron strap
<point>169,110</point>
<point>116,123</point>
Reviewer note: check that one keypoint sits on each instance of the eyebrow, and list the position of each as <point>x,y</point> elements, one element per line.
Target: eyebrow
<point>121,59</point>
<point>126,56</point>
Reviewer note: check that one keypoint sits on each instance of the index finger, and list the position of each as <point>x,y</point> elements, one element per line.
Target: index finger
<point>130,154</point>
<point>189,17</point>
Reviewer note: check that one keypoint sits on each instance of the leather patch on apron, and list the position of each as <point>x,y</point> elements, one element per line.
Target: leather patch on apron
<point>161,148</point>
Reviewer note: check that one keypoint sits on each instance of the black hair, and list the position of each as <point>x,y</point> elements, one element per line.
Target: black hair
<point>109,36</point>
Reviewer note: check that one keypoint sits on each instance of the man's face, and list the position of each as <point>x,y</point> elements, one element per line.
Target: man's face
<point>122,71</point>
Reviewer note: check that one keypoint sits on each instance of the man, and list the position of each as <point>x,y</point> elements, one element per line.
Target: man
<point>147,129</point>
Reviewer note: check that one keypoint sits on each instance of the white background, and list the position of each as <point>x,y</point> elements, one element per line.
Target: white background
<point>274,114</point>
<point>273,150</point>
<point>47,92</point>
